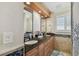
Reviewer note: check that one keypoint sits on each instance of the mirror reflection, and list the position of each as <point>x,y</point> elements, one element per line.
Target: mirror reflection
<point>27,25</point>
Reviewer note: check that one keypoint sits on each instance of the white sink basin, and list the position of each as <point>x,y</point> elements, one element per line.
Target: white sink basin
<point>40,36</point>
<point>31,42</point>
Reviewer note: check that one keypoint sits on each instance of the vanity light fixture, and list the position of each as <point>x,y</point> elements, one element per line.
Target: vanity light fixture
<point>39,11</point>
<point>28,3</point>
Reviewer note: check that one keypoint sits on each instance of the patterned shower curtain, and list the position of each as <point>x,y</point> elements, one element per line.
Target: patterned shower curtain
<point>76,40</point>
<point>75,28</point>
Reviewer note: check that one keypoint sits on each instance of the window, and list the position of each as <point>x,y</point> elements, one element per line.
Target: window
<point>63,23</point>
<point>68,22</point>
<point>60,23</point>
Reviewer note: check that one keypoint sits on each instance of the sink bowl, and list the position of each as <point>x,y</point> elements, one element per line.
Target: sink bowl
<point>31,42</point>
<point>40,37</point>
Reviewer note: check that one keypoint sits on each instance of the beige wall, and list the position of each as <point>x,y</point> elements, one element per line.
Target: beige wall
<point>11,20</point>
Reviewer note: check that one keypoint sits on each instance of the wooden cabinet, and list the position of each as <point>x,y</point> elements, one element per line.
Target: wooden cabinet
<point>47,50</point>
<point>51,44</point>
<point>41,49</point>
<point>49,47</point>
<point>33,52</point>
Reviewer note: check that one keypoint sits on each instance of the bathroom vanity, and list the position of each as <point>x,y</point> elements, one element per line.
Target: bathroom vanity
<point>44,47</point>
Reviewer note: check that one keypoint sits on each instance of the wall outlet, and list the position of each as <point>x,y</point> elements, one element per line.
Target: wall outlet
<point>7,37</point>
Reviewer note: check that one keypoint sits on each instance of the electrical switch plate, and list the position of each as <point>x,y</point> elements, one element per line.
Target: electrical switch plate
<point>7,37</point>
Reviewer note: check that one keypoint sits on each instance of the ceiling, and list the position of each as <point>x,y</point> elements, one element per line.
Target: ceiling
<point>57,7</point>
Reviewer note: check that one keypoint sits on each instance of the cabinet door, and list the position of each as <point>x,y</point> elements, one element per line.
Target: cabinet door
<point>41,49</point>
<point>49,46</point>
<point>47,50</point>
<point>33,52</point>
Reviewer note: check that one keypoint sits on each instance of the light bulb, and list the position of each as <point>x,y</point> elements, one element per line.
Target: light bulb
<point>28,3</point>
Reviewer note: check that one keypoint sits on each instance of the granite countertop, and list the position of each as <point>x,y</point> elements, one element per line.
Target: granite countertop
<point>29,47</point>
<point>10,50</point>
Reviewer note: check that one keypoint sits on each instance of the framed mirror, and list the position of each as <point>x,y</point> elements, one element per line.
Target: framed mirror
<point>28,24</point>
<point>27,21</point>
